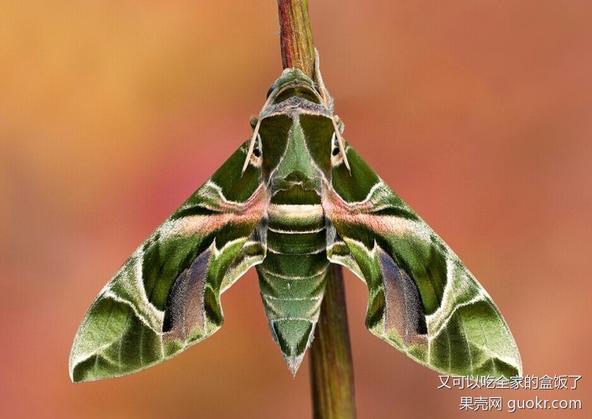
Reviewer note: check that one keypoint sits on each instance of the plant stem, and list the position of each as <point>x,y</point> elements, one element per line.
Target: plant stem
<point>331,367</point>
<point>296,36</point>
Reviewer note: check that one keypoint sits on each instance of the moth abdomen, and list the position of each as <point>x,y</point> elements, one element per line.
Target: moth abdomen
<point>292,302</point>
<point>292,276</point>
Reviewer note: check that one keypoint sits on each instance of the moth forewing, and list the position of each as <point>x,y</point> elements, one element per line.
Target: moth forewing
<point>422,299</point>
<point>166,296</point>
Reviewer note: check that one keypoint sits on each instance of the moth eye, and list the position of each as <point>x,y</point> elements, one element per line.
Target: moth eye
<point>336,156</point>
<point>256,153</point>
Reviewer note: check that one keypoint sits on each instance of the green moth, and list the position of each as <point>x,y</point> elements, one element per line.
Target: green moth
<point>292,200</point>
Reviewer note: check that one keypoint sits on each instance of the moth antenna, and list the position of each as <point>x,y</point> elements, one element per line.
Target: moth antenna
<point>329,104</point>
<point>340,142</point>
<point>321,84</point>
<point>255,133</point>
<point>251,146</point>
<point>340,123</point>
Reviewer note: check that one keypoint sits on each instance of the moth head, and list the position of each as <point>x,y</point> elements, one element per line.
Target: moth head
<point>296,149</point>
<point>296,137</point>
<point>293,83</point>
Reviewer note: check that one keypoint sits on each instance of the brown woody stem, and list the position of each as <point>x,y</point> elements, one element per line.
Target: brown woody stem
<point>331,367</point>
<point>296,36</point>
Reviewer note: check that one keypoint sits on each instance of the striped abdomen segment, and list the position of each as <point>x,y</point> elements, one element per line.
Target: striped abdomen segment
<point>292,276</point>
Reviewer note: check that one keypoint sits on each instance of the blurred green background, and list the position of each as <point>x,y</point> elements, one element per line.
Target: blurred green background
<point>111,113</point>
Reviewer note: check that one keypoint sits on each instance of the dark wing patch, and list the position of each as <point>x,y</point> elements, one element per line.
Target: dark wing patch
<point>184,311</point>
<point>403,310</point>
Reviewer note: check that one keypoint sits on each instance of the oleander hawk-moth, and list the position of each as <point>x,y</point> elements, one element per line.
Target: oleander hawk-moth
<point>292,200</point>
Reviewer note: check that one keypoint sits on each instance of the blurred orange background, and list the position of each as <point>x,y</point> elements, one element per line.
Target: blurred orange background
<point>111,113</point>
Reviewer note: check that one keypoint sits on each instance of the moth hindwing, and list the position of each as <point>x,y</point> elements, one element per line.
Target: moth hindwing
<point>290,201</point>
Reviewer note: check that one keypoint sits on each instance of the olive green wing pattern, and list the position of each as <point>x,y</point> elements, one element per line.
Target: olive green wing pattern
<point>422,299</point>
<point>166,296</point>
